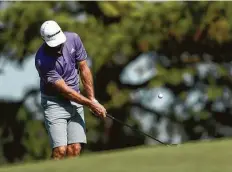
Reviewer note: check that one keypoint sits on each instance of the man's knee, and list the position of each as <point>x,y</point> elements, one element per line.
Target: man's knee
<point>59,152</point>
<point>74,149</point>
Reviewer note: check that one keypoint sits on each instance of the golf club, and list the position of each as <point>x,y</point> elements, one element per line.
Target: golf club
<point>115,119</point>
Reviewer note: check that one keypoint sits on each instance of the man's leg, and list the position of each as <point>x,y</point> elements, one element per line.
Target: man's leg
<point>55,116</point>
<point>57,130</point>
<point>73,149</point>
<point>76,132</point>
<point>59,152</point>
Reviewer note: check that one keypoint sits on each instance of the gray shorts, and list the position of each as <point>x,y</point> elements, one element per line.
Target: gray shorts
<point>64,121</point>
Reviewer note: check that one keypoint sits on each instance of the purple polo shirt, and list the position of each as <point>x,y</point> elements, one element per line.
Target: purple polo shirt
<point>51,68</point>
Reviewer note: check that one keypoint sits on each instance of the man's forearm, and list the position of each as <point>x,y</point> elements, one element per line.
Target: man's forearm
<point>72,94</point>
<point>76,97</point>
<point>87,81</point>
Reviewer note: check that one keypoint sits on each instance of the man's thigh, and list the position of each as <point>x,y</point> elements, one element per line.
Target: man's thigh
<point>57,131</point>
<point>55,116</point>
<point>76,128</point>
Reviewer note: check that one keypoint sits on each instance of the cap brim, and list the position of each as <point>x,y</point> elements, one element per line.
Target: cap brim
<point>59,39</point>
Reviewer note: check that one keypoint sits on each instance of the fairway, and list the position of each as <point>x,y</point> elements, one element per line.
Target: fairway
<point>195,157</point>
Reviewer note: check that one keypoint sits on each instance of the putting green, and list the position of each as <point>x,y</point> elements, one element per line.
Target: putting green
<point>192,157</point>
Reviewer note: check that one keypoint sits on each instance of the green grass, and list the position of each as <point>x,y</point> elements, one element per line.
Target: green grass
<point>192,157</point>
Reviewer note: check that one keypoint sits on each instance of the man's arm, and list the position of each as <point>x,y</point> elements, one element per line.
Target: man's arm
<point>87,79</point>
<point>85,73</point>
<point>71,94</point>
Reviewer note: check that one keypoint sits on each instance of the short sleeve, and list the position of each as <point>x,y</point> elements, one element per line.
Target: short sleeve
<point>80,49</point>
<point>47,72</point>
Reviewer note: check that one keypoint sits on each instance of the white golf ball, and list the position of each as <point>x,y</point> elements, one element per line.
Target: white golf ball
<point>160,95</point>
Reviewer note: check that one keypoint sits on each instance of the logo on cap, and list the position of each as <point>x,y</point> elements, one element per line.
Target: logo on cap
<point>49,36</point>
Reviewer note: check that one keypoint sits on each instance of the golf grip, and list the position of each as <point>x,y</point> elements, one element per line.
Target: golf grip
<point>113,118</point>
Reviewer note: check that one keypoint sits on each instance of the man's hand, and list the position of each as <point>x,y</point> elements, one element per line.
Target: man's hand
<point>98,109</point>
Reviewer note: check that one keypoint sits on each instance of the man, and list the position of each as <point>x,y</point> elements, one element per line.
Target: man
<point>59,61</point>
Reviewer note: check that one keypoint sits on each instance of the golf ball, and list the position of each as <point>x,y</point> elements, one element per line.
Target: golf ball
<point>160,95</point>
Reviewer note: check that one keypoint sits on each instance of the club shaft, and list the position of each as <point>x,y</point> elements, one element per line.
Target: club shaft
<point>115,119</point>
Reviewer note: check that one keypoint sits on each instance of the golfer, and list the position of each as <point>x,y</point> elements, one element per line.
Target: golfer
<point>61,64</point>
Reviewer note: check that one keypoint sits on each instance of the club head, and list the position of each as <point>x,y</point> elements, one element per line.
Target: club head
<point>176,145</point>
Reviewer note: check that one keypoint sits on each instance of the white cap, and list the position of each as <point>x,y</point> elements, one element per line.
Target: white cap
<point>52,34</point>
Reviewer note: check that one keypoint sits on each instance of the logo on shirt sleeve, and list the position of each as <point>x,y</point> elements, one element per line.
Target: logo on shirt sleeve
<point>73,50</point>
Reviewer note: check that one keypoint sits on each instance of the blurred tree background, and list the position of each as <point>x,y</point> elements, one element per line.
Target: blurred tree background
<point>136,50</point>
